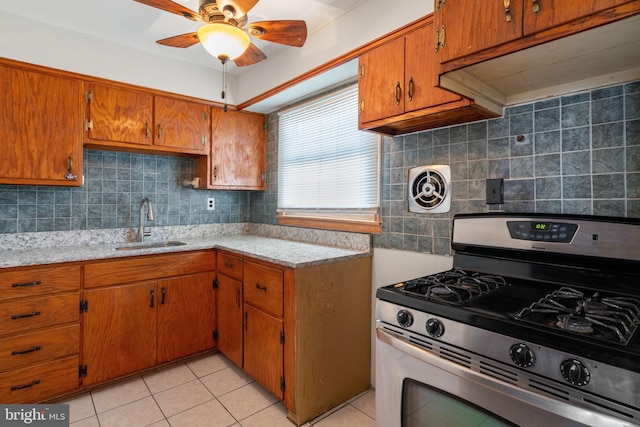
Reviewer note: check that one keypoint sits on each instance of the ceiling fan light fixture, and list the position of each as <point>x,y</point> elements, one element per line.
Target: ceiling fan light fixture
<point>223,41</point>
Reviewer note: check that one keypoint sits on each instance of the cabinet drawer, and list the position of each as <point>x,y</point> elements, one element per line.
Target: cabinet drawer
<point>263,287</point>
<point>139,268</point>
<point>47,344</point>
<point>230,265</point>
<point>39,382</point>
<point>22,282</point>
<point>32,313</point>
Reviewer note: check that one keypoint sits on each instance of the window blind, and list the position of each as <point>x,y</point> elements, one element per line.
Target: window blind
<point>327,168</point>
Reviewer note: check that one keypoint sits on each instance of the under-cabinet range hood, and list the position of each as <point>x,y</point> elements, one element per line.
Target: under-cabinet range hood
<point>603,56</point>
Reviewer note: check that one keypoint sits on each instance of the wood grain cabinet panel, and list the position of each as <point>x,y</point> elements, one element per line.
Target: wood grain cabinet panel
<point>264,287</point>
<point>39,382</point>
<point>36,281</point>
<point>229,265</point>
<point>181,124</point>
<point>186,315</point>
<point>31,313</point>
<point>237,160</point>
<point>230,320</point>
<point>40,127</point>
<point>118,115</point>
<point>120,330</point>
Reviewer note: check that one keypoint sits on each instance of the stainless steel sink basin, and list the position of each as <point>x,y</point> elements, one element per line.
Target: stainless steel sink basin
<point>150,245</point>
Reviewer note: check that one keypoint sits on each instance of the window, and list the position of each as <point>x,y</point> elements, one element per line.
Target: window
<point>328,170</point>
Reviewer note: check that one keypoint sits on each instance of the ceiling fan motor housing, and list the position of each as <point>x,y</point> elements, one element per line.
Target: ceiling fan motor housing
<point>429,189</point>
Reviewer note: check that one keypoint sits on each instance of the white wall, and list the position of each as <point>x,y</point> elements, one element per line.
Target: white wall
<point>393,266</point>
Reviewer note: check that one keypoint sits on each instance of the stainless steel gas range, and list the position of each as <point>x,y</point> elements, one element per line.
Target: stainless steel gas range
<point>535,324</point>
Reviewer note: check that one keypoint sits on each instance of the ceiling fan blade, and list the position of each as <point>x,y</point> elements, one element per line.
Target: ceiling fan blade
<point>291,33</point>
<point>251,56</point>
<point>235,9</point>
<point>169,6</point>
<point>183,40</point>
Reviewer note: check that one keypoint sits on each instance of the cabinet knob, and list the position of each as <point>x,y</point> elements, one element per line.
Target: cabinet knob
<point>398,93</point>
<point>410,89</point>
<point>536,6</point>
<point>507,10</point>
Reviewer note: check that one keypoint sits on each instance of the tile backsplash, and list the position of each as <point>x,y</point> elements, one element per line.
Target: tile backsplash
<point>572,154</point>
<point>576,154</point>
<point>115,184</point>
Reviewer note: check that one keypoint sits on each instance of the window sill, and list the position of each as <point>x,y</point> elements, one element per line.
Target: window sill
<point>332,224</point>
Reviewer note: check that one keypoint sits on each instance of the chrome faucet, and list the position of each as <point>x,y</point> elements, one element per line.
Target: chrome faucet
<point>141,232</point>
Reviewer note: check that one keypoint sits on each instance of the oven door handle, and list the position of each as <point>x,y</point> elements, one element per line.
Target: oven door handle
<point>577,414</point>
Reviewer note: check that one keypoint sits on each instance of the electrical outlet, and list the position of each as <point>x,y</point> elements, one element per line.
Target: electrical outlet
<point>495,191</point>
<point>211,204</point>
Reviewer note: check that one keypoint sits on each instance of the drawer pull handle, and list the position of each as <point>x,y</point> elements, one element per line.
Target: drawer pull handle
<point>260,287</point>
<point>153,296</point>
<point>34,283</point>
<point>163,291</point>
<point>31,350</point>
<point>228,265</point>
<point>22,316</point>
<point>20,387</point>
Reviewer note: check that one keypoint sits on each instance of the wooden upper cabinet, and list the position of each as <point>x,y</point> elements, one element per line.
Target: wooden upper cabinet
<point>40,127</point>
<point>544,14</point>
<point>471,26</point>
<point>238,151</point>
<point>127,118</point>
<point>381,93</point>
<point>181,124</point>
<point>118,115</point>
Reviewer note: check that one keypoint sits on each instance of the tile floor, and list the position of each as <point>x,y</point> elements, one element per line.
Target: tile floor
<point>209,391</point>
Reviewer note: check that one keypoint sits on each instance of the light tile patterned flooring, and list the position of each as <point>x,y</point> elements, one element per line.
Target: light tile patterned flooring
<point>209,391</point>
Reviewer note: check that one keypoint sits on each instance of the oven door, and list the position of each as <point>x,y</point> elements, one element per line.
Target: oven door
<point>415,387</point>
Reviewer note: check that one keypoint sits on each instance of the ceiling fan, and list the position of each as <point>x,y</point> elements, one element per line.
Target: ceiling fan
<point>224,35</point>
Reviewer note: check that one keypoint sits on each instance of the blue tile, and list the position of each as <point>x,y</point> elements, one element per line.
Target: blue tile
<point>607,110</point>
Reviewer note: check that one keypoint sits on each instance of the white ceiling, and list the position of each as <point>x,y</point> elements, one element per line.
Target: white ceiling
<point>137,25</point>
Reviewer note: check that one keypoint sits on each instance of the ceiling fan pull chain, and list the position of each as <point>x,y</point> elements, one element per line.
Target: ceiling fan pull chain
<point>224,83</point>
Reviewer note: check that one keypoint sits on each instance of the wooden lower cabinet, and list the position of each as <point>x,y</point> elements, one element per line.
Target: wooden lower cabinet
<point>186,315</point>
<point>264,349</point>
<point>39,332</point>
<point>230,317</point>
<point>131,325</point>
<point>305,332</point>
<point>120,331</point>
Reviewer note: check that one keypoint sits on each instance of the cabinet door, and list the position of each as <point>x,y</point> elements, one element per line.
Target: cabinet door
<point>471,26</point>
<point>263,349</point>
<point>230,318</point>
<point>181,124</point>
<point>381,81</point>
<point>40,128</point>
<point>186,315</point>
<point>120,330</point>
<point>119,115</point>
<point>420,72</point>
<point>551,13</point>
<point>238,150</point>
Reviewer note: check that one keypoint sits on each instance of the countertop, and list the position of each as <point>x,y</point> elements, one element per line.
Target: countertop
<point>277,251</point>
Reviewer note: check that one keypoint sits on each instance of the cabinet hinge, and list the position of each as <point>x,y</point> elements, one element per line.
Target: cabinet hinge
<point>215,283</point>
<point>440,3</point>
<point>264,177</point>
<point>264,126</point>
<point>215,335</point>
<point>82,371</point>
<point>362,71</point>
<point>88,124</point>
<point>88,96</point>
<point>281,337</point>
<point>84,306</point>
<point>282,383</point>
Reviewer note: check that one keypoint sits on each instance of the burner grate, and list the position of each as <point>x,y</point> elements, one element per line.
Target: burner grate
<point>454,286</point>
<point>607,318</point>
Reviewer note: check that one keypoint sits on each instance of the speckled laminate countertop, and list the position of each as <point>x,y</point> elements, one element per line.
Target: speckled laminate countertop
<point>278,251</point>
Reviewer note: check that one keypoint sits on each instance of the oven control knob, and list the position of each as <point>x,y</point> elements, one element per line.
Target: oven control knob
<point>575,372</point>
<point>404,318</point>
<point>435,328</point>
<point>522,355</point>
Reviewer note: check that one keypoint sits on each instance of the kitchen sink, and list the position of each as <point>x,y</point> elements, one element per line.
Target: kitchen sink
<point>150,245</point>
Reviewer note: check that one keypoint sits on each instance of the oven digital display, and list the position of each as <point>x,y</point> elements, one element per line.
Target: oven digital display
<point>561,232</point>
